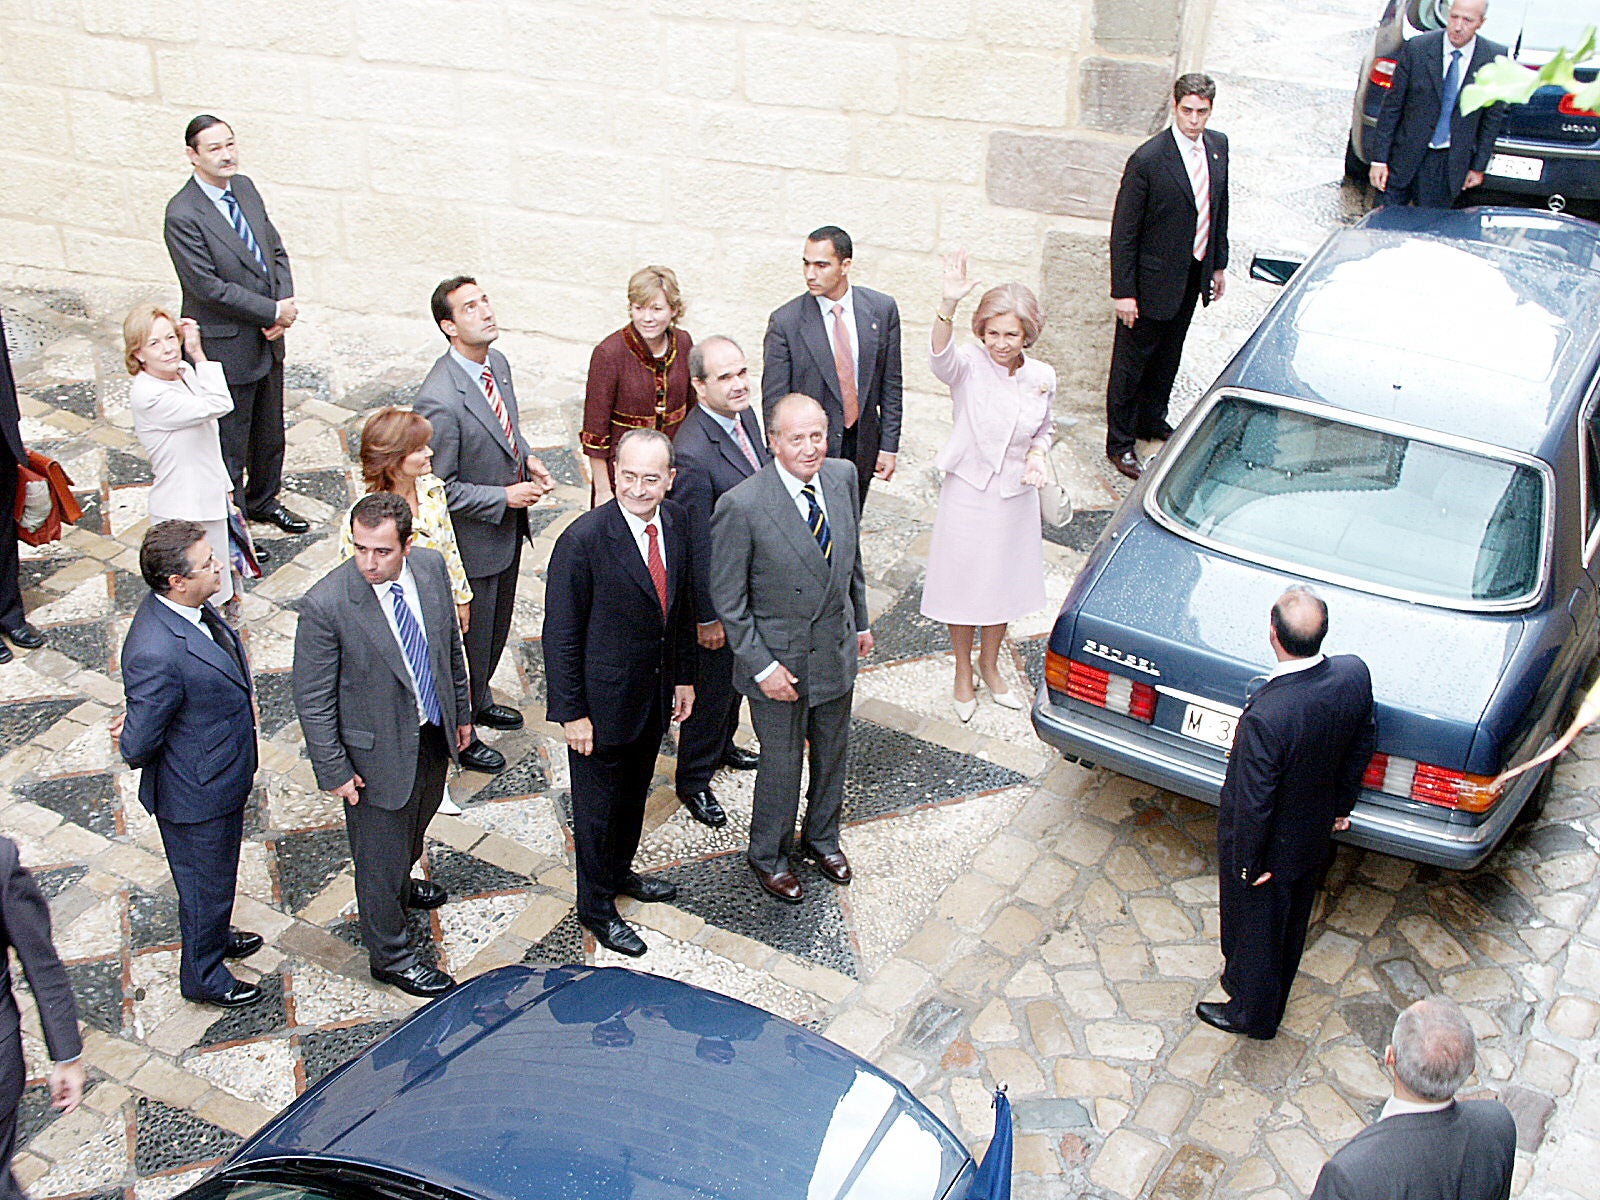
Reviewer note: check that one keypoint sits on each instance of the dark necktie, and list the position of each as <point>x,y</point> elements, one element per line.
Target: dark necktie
<point>242,227</point>
<point>223,637</point>
<point>415,644</point>
<point>818,522</point>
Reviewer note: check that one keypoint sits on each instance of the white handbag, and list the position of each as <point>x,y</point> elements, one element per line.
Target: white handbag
<point>1055,506</point>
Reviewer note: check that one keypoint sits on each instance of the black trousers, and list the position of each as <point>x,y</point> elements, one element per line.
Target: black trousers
<point>204,860</point>
<point>1263,937</point>
<point>494,598</point>
<point>609,790</point>
<point>704,739</point>
<point>11,614</point>
<point>252,440</point>
<point>11,1084</point>
<point>1144,363</point>
<point>1429,188</point>
<point>384,843</point>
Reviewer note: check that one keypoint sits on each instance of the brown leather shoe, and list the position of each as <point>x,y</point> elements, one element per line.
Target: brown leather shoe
<point>835,867</point>
<point>784,886</point>
<point>1127,463</point>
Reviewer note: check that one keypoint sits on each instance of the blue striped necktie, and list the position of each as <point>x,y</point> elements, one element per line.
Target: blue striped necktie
<point>415,643</point>
<point>818,521</point>
<point>242,227</point>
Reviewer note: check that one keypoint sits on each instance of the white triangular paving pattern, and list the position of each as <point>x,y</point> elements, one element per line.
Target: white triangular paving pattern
<point>531,822</point>
<point>681,837</point>
<point>162,1187</point>
<point>470,925</point>
<point>259,1071</point>
<point>695,964</point>
<point>323,998</point>
<point>101,1159</point>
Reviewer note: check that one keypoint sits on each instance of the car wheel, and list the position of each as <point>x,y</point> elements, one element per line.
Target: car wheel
<point>1427,15</point>
<point>1533,807</point>
<point>1354,169</point>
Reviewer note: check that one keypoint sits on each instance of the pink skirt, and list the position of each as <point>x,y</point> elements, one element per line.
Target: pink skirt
<point>986,562</point>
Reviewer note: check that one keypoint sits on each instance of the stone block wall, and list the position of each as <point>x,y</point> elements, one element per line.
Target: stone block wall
<point>553,146</point>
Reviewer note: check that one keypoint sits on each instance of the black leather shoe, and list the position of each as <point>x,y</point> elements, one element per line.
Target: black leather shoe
<point>480,757</point>
<point>1216,1016</point>
<point>616,934</point>
<point>740,759</point>
<point>25,636</point>
<point>419,979</point>
<point>499,716</point>
<point>240,994</point>
<point>647,889</point>
<point>1127,463</point>
<point>703,807</point>
<point>281,517</point>
<point>5,653</point>
<point>242,943</point>
<point>835,867</point>
<point>425,893</point>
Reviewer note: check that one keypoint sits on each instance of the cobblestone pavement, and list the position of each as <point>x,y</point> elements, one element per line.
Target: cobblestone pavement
<point>1014,918</point>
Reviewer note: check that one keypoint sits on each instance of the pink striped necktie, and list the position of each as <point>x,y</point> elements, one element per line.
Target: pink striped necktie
<point>499,407</point>
<point>740,436</point>
<point>1200,179</point>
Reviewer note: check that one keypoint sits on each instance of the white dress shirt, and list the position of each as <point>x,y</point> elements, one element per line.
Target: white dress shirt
<point>385,596</point>
<point>191,615</point>
<point>637,527</point>
<point>475,372</point>
<point>849,318</point>
<point>1394,1107</point>
<point>1444,69</point>
<point>1290,665</point>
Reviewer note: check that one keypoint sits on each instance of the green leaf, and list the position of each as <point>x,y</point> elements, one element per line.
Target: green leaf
<point>1500,82</point>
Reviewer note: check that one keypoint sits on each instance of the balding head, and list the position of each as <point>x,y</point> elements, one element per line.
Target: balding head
<point>1299,623</point>
<point>1433,1050</point>
<point>1466,17</point>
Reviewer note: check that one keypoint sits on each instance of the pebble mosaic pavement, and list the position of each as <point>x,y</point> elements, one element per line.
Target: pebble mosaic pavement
<point>1014,917</point>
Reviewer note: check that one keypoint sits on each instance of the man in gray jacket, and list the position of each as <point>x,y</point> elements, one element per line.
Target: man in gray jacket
<point>786,580</point>
<point>380,683</point>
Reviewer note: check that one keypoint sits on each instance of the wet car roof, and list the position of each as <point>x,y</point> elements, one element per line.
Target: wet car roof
<point>1474,322</point>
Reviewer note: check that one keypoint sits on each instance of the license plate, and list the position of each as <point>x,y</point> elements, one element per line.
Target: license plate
<point>1208,725</point>
<point>1514,166</point>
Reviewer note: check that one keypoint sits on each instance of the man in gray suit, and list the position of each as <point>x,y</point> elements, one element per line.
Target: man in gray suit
<point>491,479</point>
<point>380,683</point>
<point>840,345</point>
<point>1427,1145</point>
<point>786,580</point>
<point>236,283</point>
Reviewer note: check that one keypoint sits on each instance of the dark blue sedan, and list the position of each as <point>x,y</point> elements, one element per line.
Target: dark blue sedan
<point>576,1083</point>
<point>1413,431</point>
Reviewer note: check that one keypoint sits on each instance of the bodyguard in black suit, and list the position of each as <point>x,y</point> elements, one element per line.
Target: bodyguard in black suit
<point>191,725</point>
<point>1423,151</point>
<point>25,928</point>
<point>619,663</point>
<point>806,342</point>
<point>1301,748</point>
<point>1427,1145</point>
<point>1169,248</point>
<point>13,621</point>
<point>236,283</point>
<point>719,446</point>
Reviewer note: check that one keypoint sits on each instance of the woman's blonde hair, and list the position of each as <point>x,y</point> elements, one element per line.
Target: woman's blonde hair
<point>647,281</point>
<point>136,327</point>
<point>390,436</point>
<point>1011,298</point>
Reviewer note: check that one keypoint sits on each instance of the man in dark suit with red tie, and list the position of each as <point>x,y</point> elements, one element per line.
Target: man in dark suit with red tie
<point>1301,748</point>
<point>718,446</point>
<point>190,725</point>
<point>1169,248</point>
<point>619,664</point>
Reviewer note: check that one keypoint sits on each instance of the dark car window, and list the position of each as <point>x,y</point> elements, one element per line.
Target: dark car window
<point>1591,471</point>
<point>1334,498</point>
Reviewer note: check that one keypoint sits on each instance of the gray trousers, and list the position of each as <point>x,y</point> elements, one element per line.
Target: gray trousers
<point>384,843</point>
<point>784,730</point>
<point>494,597</point>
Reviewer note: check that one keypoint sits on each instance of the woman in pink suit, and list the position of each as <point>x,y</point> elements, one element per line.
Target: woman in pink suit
<point>986,562</point>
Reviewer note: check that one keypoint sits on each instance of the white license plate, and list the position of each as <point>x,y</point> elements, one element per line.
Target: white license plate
<point>1208,725</point>
<point>1514,166</point>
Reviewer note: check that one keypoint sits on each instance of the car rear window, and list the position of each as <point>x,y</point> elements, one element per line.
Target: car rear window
<point>1333,498</point>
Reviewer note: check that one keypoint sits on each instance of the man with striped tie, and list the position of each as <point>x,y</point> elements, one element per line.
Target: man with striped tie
<point>235,277</point>
<point>1169,248</point>
<point>491,479</point>
<point>786,579</point>
<point>380,684</point>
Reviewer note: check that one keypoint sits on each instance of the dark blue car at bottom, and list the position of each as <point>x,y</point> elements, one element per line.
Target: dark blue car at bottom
<point>1412,430</point>
<point>577,1083</point>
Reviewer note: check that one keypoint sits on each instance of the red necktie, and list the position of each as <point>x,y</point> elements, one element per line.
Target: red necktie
<point>658,568</point>
<point>845,365</point>
<point>499,407</point>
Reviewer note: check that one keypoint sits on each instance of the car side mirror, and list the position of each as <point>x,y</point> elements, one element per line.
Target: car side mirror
<point>1274,270</point>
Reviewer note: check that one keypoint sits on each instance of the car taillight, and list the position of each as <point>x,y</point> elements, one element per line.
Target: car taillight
<point>1429,784</point>
<point>1569,108</point>
<point>1114,693</point>
<point>1382,73</point>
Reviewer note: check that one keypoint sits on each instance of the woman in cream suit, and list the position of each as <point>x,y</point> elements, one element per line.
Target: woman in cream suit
<point>986,560</point>
<point>175,409</point>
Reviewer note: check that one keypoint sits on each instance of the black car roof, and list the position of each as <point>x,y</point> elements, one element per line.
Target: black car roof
<point>1481,322</point>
